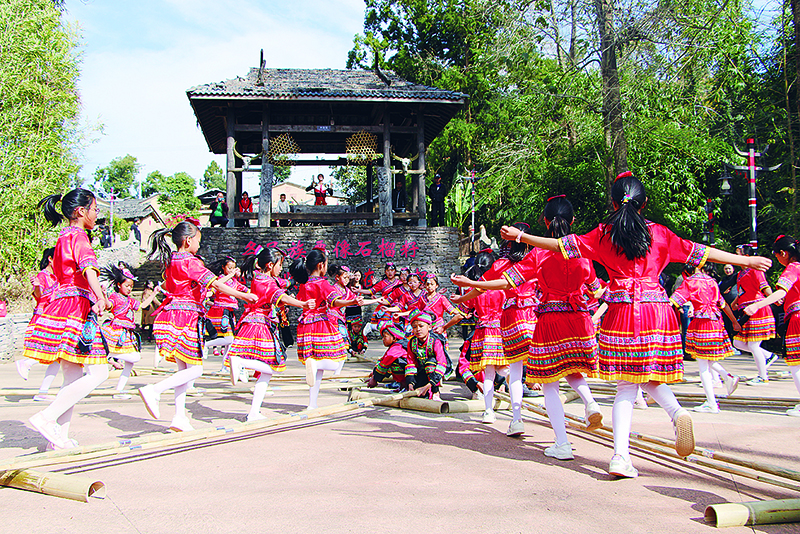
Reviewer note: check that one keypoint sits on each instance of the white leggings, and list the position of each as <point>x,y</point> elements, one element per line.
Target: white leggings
<point>129,358</point>
<point>49,374</point>
<point>179,381</point>
<point>322,366</point>
<point>795,370</point>
<point>555,410</point>
<point>759,355</point>
<point>707,378</point>
<point>262,383</point>
<point>488,384</point>
<point>622,413</point>
<point>76,386</point>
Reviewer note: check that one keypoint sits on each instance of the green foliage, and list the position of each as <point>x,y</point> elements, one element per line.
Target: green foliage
<point>353,182</point>
<point>176,192</point>
<point>38,131</point>
<point>119,176</point>
<point>213,177</point>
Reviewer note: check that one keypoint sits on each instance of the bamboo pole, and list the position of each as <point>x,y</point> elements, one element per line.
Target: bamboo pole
<point>753,513</point>
<point>737,400</point>
<point>55,484</point>
<point>159,441</point>
<point>425,405</point>
<point>699,457</point>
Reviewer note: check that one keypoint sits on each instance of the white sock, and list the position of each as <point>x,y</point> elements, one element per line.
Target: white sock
<point>322,365</point>
<point>180,381</point>
<point>555,411</point>
<point>515,388</point>
<point>262,383</point>
<point>622,416</point>
<point>488,387</point>
<point>577,382</point>
<point>707,379</point>
<point>49,375</point>
<point>129,358</point>
<point>640,396</point>
<point>759,355</point>
<point>663,396</point>
<point>78,385</point>
<point>795,370</point>
<point>27,363</point>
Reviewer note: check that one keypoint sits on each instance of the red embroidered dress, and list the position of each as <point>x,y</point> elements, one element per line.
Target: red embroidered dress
<point>486,347</point>
<point>761,326</point>
<point>55,332</point>
<point>518,320</point>
<point>317,337</point>
<point>706,337</point>
<point>639,337</point>
<point>47,283</point>
<point>437,306</point>
<point>120,332</point>
<point>177,328</point>
<point>256,338</point>
<point>221,312</point>
<point>790,282</point>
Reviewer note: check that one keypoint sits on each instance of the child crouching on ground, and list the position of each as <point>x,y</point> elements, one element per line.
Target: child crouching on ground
<point>427,362</point>
<point>394,359</point>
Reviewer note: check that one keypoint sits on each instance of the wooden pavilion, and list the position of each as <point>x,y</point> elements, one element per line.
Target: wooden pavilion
<point>277,115</point>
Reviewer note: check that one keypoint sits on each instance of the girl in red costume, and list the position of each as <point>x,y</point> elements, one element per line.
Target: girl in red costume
<point>639,340</point>
<point>319,344</point>
<point>257,345</point>
<point>66,331</point>
<point>179,321</point>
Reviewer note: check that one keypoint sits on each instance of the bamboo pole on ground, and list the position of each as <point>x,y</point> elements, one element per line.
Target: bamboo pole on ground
<point>160,441</point>
<point>703,457</point>
<point>737,400</point>
<point>753,513</point>
<point>55,484</point>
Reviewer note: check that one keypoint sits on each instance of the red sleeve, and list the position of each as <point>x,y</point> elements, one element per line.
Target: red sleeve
<point>83,253</point>
<point>525,270</point>
<point>684,251</point>
<point>788,278</point>
<point>681,295</point>
<point>196,271</point>
<point>582,246</point>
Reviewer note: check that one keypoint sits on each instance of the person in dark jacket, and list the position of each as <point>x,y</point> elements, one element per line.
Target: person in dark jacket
<point>219,211</point>
<point>437,193</point>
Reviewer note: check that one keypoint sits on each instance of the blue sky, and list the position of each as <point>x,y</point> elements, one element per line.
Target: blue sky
<point>139,58</point>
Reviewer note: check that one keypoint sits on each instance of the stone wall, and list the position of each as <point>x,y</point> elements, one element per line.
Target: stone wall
<point>433,250</point>
<point>12,334</point>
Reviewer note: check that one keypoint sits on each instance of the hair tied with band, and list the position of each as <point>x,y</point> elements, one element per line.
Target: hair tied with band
<point>626,198</point>
<point>776,239</point>
<point>555,197</point>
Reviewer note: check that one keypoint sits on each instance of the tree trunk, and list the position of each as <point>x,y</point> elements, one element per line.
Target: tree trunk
<point>616,160</point>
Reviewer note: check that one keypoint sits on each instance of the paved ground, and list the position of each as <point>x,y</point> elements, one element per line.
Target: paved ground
<point>384,469</point>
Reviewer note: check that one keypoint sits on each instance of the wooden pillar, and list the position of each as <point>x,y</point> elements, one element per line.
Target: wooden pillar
<point>384,176</point>
<point>267,170</point>
<point>370,203</point>
<point>420,189</point>
<point>230,182</point>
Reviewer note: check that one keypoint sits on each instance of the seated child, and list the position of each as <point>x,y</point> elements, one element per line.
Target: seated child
<point>394,359</point>
<point>357,339</point>
<point>427,362</point>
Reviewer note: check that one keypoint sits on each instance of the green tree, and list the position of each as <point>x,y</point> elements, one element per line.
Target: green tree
<point>119,176</point>
<point>38,124</point>
<point>177,194</point>
<point>152,183</point>
<point>213,177</point>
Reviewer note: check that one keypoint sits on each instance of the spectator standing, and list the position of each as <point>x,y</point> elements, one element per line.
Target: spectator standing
<point>245,206</point>
<point>437,194</point>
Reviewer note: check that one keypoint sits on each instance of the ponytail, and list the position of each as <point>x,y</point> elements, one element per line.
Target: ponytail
<point>558,212</point>
<point>301,268</point>
<point>626,227</point>
<point>483,262</point>
<point>262,259</point>
<point>77,198</point>
<point>159,248</point>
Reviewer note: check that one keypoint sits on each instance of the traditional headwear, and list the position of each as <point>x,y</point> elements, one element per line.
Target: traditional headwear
<point>127,273</point>
<point>393,329</point>
<point>422,316</point>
